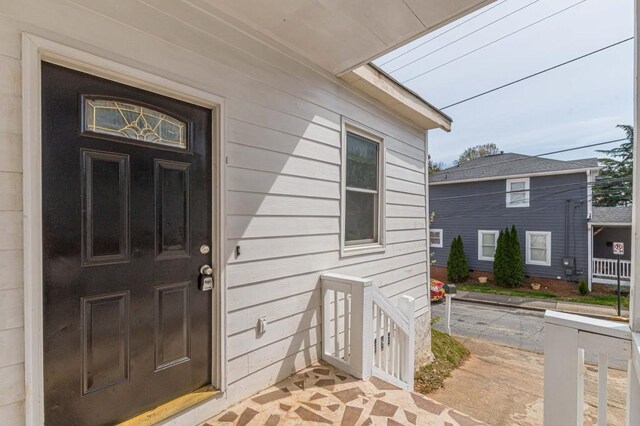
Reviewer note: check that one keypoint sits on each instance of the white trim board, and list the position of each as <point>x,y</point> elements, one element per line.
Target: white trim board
<point>34,51</point>
<point>520,176</point>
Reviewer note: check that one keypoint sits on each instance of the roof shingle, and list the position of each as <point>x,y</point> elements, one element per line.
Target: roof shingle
<point>508,164</point>
<point>619,214</point>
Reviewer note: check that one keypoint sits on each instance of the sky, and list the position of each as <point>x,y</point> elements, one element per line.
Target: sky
<point>577,104</point>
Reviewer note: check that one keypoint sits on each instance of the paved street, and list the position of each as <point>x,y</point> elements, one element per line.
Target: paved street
<point>516,328</point>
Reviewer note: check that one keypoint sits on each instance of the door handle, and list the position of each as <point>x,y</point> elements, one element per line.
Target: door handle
<point>206,278</point>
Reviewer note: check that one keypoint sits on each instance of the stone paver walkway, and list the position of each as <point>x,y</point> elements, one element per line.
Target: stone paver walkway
<point>324,395</point>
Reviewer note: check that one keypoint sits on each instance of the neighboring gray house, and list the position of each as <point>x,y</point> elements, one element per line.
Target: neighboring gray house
<point>609,225</point>
<point>549,202</point>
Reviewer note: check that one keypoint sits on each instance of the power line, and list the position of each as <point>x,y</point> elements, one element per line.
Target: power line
<point>539,72</point>
<point>534,156</point>
<point>443,33</point>
<point>494,41</point>
<point>563,185</point>
<point>464,36</point>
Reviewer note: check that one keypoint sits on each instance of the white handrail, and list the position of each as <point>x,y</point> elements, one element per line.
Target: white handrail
<point>566,339</point>
<point>364,334</point>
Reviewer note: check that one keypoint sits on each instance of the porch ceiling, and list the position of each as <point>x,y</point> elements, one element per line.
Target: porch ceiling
<point>340,35</point>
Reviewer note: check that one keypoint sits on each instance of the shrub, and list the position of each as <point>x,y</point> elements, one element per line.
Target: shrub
<point>499,260</point>
<point>457,267</point>
<point>508,267</point>
<point>583,287</point>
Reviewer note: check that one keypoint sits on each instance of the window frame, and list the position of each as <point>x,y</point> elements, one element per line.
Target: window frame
<point>526,190</point>
<point>486,231</point>
<point>441,237</point>
<point>377,244</point>
<point>530,261</point>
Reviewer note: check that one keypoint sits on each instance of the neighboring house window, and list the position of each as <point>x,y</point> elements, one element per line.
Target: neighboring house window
<point>518,192</point>
<point>539,248</point>
<point>435,238</point>
<point>363,177</point>
<point>487,241</point>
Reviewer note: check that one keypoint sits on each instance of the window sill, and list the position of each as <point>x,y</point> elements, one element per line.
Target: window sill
<point>517,206</point>
<point>532,262</point>
<point>486,259</point>
<point>362,249</point>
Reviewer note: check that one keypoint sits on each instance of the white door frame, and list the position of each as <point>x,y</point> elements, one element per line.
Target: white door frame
<point>34,50</point>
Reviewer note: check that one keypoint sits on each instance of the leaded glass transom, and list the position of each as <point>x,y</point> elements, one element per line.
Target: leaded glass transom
<point>127,120</point>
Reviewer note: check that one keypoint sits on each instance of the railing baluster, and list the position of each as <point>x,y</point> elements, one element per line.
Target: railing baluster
<point>335,325</point>
<point>603,366</point>
<point>385,340</point>
<point>379,339</point>
<point>347,329</point>
<point>392,348</point>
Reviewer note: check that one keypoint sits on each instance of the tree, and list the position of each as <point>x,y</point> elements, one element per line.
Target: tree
<point>618,166</point>
<point>457,267</point>
<point>435,166</point>
<point>508,269</point>
<point>516,277</point>
<point>478,151</point>
<point>499,259</point>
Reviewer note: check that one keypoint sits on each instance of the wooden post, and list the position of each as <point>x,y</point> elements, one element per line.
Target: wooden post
<point>563,377</point>
<point>407,306</point>
<point>361,329</point>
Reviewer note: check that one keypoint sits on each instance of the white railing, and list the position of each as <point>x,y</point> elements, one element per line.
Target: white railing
<point>608,268</point>
<point>566,339</point>
<point>364,334</point>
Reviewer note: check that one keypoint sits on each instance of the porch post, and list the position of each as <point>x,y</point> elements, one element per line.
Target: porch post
<point>590,255</point>
<point>634,308</point>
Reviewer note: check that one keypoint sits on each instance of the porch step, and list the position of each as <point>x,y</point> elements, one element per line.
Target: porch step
<point>171,408</point>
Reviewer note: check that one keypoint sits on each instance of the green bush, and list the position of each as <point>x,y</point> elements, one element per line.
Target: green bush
<point>457,267</point>
<point>583,287</point>
<point>508,267</point>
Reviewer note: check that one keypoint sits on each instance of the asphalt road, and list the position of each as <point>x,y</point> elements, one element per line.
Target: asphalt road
<point>516,328</point>
<point>513,327</point>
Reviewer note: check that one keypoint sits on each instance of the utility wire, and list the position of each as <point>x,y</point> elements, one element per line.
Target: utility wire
<point>530,156</point>
<point>538,73</point>
<point>494,41</point>
<point>576,184</point>
<point>442,33</point>
<point>464,36</point>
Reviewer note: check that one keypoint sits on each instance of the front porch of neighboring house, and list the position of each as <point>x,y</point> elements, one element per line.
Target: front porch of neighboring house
<point>366,376</point>
<point>609,225</point>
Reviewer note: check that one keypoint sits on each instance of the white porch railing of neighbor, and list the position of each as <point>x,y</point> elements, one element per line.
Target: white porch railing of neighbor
<point>566,339</point>
<point>608,268</point>
<point>364,334</point>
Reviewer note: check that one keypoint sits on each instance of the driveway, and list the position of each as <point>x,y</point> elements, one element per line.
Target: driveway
<point>504,386</point>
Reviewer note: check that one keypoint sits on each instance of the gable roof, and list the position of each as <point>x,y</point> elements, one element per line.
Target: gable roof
<point>509,164</point>
<point>619,214</point>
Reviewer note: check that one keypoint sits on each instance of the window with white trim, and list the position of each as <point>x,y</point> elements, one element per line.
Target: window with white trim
<point>435,238</point>
<point>364,185</point>
<point>518,192</point>
<point>538,248</point>
<point>487,242</point>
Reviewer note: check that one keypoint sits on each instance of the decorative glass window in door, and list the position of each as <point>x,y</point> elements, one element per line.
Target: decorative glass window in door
<point>131,121</point>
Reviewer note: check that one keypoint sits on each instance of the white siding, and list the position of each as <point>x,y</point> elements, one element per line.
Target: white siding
<point>283,176</point>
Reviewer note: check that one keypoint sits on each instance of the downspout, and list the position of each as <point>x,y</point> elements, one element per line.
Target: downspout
<point>427,216</point>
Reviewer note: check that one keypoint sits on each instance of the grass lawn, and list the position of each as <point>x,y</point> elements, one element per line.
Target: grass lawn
<point>593,299</point>
<point>449,355</point>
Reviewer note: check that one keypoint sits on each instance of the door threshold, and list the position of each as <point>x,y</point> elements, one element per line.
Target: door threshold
<point>172,408</point>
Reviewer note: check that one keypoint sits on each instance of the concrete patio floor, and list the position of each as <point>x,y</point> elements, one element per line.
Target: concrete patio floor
<point>322,394</point>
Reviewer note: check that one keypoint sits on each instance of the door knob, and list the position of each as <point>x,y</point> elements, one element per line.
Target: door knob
<point>206,270</point>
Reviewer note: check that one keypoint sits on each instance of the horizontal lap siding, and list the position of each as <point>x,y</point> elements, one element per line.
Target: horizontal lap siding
<point>283,174</point>
<point>463,209</point>
<point>11,287</point>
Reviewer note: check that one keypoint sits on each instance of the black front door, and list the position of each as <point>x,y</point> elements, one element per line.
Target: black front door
<point>127,225</point>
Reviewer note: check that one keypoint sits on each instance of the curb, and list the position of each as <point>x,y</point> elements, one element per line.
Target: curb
<point>536,309</point>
